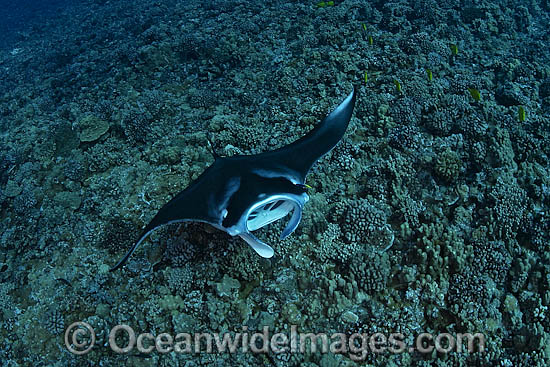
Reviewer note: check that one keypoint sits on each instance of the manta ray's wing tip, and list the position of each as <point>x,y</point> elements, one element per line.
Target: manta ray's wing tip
<point>350,99</point>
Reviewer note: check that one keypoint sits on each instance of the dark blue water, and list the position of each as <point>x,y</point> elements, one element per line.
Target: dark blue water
<point>18,17</point>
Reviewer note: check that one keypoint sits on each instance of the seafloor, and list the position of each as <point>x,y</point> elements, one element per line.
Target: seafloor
<point>432,215</point>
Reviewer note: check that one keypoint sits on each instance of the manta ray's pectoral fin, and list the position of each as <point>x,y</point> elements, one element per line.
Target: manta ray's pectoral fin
<point>132,249</point>
<point>298,157</point>
<point>146,232</point>
<point>263,249</point>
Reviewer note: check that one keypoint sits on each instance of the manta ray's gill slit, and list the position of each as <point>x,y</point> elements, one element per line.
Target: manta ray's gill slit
<point>266,208</point>
<point>277,204</point>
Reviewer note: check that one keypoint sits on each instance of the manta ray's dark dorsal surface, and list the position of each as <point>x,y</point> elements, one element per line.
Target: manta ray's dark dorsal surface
<point>243,193</point>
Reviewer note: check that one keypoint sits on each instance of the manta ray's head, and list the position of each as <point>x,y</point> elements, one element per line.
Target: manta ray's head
<point>263,208</point>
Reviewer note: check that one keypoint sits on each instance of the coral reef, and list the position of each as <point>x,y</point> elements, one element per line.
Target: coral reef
<point>432,214</point>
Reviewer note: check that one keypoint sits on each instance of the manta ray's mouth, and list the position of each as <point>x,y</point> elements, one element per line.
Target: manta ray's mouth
<point>269,212</point>
<point>274,208</point>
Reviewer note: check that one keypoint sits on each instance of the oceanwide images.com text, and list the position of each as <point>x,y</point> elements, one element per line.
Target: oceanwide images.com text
<point>80,339</point>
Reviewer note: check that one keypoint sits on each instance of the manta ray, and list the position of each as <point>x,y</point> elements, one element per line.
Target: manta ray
<point>243,193</point>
